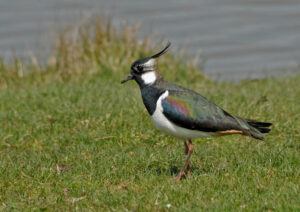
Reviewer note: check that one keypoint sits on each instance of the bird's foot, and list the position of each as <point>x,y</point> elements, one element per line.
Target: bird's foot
<point>179,176</point>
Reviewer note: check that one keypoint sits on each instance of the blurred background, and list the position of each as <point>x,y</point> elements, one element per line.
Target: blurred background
<point>232,39</point>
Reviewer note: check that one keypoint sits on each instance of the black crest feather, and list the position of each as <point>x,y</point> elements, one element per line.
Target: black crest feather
<point>162,51</point>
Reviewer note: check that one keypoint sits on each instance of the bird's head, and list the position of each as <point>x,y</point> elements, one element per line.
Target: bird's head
<point>145,71</point>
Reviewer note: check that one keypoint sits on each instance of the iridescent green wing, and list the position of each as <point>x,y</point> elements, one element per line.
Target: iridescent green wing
<point>192,111</point>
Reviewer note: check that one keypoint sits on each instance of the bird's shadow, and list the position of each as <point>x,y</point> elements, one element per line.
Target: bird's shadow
<point>174,170</point>
<point>171,170</point>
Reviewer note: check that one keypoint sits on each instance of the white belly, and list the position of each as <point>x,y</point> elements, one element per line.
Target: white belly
<point>163,124</point>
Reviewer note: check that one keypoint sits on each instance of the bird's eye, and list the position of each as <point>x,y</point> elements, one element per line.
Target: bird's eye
<point>140,68</point>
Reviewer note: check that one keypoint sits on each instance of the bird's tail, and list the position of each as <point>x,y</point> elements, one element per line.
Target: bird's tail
<point>263,127</point>
<point>258,128</point>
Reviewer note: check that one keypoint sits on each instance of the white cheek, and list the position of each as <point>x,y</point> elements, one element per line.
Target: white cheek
<point>149,77</point>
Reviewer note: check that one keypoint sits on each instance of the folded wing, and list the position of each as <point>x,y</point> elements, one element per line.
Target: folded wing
<point>193,111</point>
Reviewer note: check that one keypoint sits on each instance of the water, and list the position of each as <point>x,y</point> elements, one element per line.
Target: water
<point>236,38</point>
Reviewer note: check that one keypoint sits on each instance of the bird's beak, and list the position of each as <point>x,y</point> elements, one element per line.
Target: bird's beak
<point>129,77</point>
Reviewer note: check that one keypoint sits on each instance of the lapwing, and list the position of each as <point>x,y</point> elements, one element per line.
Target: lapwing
<point>183,113</point>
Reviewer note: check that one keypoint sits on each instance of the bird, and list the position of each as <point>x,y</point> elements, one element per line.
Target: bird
<point>184,113</point>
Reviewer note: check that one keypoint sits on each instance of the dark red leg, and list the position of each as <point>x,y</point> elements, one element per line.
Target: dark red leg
<point>188,149</point>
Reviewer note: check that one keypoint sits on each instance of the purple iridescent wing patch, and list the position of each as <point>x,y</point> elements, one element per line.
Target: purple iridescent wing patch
<point>177,107</point>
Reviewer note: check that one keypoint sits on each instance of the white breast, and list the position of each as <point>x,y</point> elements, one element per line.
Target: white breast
<point>163,124</point>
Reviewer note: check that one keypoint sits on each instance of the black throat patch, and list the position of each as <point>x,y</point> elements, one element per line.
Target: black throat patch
<point>150,95</point>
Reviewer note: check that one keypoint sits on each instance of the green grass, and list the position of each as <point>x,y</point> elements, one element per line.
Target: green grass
<point>72,137</point>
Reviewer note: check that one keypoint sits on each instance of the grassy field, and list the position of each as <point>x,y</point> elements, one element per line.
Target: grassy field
<point>73,138</point>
